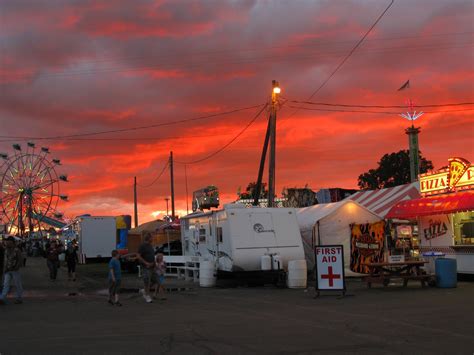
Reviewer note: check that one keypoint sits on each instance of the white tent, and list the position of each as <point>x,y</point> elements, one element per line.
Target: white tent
<point>329,223</point>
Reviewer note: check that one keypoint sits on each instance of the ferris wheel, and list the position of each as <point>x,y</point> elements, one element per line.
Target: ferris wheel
<point>30,190</point>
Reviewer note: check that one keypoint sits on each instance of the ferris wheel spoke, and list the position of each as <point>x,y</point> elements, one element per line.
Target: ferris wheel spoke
<point>11,180</point>
<point>13,218</point>
<point>7,199</point>
<point>41,206</point>
<point>44,185</point>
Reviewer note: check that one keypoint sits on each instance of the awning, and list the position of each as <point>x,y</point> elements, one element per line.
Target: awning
<point>428,206</point>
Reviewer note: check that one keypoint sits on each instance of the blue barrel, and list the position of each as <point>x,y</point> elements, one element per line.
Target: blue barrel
<point>446,273</point>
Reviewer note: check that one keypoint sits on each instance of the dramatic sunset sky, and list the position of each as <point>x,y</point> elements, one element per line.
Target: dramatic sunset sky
<point>74,67</point>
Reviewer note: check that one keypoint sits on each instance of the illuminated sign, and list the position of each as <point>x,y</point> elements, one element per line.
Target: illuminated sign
<point>459,175</point>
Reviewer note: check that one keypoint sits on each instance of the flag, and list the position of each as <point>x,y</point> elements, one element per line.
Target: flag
<point>405,86</point>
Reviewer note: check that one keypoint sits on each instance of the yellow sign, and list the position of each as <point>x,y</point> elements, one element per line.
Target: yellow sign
<point>459,175</point>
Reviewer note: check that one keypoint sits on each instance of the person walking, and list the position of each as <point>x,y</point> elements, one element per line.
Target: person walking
<point>146,257</point>
<point>52,259</point>
<point>14,260</point>
<point>2,263</point>
<point>115,278</point>
<point>71,259</point>
<point>160,270</point>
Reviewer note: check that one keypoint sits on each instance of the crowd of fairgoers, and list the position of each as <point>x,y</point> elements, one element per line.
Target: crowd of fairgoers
<point>14,252</point>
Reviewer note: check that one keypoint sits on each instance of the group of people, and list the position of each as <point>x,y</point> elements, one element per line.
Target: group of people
<point>52,252</point>
<point>13,257</point>
<point>153,272</point>
<point>152,265</point>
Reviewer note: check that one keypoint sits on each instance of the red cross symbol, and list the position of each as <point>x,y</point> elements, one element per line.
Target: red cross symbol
<point>330,276</point>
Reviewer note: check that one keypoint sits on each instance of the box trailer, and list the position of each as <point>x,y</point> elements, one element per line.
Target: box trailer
<point>239,239</point>
<point>96,236</point>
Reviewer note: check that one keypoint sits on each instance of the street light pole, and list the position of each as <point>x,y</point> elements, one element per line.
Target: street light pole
<point>271,172</point>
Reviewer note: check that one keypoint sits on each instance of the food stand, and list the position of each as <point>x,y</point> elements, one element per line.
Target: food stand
<point>445,213</point>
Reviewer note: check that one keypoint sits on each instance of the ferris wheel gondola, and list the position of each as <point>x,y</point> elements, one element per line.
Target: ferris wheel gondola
<point>30,189</point>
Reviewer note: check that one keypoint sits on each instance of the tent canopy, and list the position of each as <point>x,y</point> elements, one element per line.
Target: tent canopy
<point>309,216</point>
<point>381,201</point>
<point>433,205</point>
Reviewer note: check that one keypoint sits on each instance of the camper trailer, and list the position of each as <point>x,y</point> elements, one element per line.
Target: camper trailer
<point>236,238</point>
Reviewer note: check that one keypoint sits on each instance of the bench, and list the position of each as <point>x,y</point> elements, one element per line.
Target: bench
<point>384,272</point>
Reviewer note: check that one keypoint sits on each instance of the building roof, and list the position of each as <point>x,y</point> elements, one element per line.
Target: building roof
<point>381,201</point>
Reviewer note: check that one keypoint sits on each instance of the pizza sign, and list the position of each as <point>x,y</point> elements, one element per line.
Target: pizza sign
<point>459,175</point>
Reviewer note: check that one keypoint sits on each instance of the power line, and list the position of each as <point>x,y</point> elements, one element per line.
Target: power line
<point>273,57</point>
<point>114,139</point>
<point>207,62</point>
<point>260,48</point>
<point>347,56</point>
<point>139,127</point>
<point>379,112</point>
<point>157,178</point>
<point>352,51</point>
<point>228,143</point>
<point>380,106</point>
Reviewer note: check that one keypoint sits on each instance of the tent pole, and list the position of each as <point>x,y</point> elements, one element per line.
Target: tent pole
<point>319,235</point>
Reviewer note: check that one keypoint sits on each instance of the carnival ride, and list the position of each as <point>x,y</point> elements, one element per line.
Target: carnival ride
<point>30,191</point>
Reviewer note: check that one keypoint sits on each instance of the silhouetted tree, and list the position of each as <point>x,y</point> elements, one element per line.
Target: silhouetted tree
<point>248,193</point>
<point>393,170</point>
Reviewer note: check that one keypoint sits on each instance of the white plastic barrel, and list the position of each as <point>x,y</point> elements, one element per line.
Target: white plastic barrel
<point>207,276</point>
<point>297,274</point>
<point>266,262</point>
<point>277,263</point>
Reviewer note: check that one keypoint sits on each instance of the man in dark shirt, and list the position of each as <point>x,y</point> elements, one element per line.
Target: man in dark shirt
<point>146,257</point>
<point>52,259</point>
<point>13,260</point>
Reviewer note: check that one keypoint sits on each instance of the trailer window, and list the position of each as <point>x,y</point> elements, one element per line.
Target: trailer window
<point>219,234</point>
<point>202,235</point>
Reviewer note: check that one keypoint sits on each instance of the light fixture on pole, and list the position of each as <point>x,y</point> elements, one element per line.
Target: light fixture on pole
<point>412,132</point>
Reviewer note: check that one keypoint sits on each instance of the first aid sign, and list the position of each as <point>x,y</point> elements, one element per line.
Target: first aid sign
<point>330,267</point>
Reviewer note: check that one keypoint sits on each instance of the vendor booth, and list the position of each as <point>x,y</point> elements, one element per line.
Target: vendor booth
<point>445,213</point>
<point>341,223</point>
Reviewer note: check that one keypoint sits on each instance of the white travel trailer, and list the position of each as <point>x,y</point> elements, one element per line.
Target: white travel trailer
<point>96,236</point>
<point>236,237</point>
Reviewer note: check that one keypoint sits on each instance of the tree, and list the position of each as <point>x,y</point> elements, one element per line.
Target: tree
<point>393,170</point>
<point>248,193</point>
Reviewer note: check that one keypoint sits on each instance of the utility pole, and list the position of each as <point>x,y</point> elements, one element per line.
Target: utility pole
<point>186,181</point>
<point>172,185</point>
<point>135,207</point>
<point>258,186</point>
<point>271,169</point>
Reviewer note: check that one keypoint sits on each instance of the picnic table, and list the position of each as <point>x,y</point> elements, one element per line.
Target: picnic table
<point>383,272</point>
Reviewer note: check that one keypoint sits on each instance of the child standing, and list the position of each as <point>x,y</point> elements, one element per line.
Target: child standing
<point>115,277</point>
<point>160,268</point>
